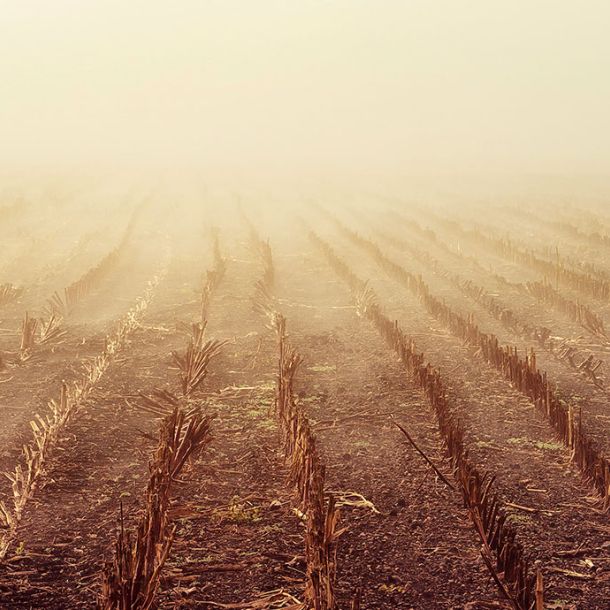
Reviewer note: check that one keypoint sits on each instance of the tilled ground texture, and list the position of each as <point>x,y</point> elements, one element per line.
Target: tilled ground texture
<point>407,539</point>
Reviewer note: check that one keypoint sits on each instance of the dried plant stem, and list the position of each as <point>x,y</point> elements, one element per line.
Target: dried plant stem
<point>539,590</point>
<point>213,277</point>
<point>28,337</point>
<point>9,293</point>
<point>428,460</point>
<point>49,330</point>
<point>131,581</point>
<point>193,364</point>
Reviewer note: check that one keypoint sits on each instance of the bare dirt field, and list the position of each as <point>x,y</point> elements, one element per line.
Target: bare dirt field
<point>378,407</point>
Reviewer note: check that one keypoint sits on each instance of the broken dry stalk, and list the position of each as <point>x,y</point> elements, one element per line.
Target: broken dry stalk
<point>193,364</point>
<point>213,277</point>
<point>428,460</point>
<point>131,581</point>
<point>539,590</point>
<point>28,337</point>
<point>50,330</point>
<point>9,293</point>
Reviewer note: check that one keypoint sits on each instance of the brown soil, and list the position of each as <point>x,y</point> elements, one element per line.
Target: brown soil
<point>410,545</point>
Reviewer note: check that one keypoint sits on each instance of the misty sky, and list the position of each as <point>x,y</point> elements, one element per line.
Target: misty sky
<point>432,86</point>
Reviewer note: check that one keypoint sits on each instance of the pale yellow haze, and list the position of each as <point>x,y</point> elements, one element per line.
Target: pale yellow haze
<point>305,86</point>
